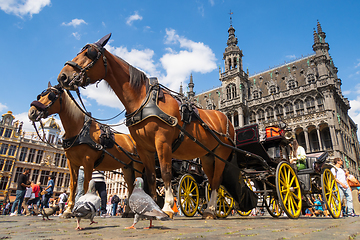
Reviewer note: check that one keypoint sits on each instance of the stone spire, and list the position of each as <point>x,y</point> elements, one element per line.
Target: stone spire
<point>316,37</point>
<point>181,89</point>
<point>321,34</point>
<point>191,92</point>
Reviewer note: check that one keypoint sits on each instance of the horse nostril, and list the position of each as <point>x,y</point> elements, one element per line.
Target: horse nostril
<point>62,78</point>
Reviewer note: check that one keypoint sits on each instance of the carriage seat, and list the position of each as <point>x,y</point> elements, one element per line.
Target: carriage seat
<point>314,162</point>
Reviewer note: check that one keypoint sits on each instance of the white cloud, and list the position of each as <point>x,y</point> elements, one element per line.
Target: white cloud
<point>194,57</point>
<point>2,107</point>
<point>212,2</point>
<point>103,95</point>
<point>358,64</point>
<point>191,58</point>
<point>76,35</point>
<point>23,7</point>
<point>133,18</point>
<point>142,59</point>
<point>27,124</point>
<point>75,22</point>
<point>354,111</point>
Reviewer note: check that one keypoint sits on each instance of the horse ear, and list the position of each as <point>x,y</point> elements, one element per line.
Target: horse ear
<point>49,85</point>
<point>102,42</point>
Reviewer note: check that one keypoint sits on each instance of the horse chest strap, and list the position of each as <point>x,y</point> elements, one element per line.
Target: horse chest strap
<point>150,109</point>
<point>83,137</point>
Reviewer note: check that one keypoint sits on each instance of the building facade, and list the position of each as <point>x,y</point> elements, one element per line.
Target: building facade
<point>19,151</point>
<point>305,94</point>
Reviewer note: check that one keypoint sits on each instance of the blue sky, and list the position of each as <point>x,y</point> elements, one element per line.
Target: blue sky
<point>167,39</point>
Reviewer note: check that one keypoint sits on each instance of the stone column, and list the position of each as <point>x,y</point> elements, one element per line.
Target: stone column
<point>241,117</point>
<point>334,140</point>
<point>319,138</point>
<point>306,134</point>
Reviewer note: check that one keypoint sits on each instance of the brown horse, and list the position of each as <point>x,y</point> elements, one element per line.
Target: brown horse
<point>155,134</point>
<point>56,100</point>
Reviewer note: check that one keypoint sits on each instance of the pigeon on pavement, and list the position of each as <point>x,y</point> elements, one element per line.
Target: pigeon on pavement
<point>144,206</point>
<point>46,212</point>
<point>87,205</point>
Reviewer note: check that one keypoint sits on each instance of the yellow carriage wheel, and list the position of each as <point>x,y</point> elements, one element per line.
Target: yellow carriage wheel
<point>188,195</point>
<point>247,181</point>
<point>288,190</point>
<point>330,192</point>
<point>272,205</point>
<point>224,202</point>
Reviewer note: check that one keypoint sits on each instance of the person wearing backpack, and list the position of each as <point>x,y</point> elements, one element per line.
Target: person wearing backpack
<point>62,201</point>
<point>114,201</point>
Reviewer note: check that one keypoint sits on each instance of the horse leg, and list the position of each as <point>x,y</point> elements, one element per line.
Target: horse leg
<point>148,160</point>
<point>129,177</point>
<point>207,162</point>
<point>164,154</point>
<point>216,180</point>
<point>88,169</point>
<point>74,170</point>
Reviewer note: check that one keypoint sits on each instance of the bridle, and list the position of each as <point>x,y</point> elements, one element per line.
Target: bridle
<point>53,93</point>
<point>81,77</point>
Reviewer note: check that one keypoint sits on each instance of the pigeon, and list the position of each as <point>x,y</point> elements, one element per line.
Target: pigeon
<point>144,206</point>
<point>46,212</point>
<point>87,205</point>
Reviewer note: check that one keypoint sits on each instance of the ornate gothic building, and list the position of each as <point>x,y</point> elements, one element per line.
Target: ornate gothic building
<point>305,94</point>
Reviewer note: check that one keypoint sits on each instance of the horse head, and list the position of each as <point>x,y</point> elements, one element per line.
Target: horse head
<point>48,102</point>
<point>86,67</point>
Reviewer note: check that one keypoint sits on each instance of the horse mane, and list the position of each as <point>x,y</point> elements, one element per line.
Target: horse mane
<point>71,108</point>
<point>137,77</point>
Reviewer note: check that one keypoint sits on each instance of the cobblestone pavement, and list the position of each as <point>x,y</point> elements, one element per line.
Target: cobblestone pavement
<point>235,227</point>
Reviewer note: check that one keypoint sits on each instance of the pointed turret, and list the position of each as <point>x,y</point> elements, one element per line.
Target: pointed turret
<point>191,92</point>
<point>321,34</point>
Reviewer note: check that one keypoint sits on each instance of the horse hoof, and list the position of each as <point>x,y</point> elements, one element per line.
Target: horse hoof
<point>171,214</point>
<point>208,216</point>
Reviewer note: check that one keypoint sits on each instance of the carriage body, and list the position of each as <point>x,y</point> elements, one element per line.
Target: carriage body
<point>279,184</point>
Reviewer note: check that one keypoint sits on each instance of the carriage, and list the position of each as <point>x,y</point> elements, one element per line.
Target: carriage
<point>278,184</point>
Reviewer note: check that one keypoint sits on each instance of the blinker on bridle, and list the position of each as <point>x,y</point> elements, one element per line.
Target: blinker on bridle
<point>52,97</point>
<point>81,77</point>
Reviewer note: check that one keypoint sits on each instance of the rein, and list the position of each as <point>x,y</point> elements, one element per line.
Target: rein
<point>43,139</point>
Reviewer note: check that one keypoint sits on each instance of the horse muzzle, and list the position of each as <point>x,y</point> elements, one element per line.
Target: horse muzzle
<point>34,114</point>
<point>69,83</point>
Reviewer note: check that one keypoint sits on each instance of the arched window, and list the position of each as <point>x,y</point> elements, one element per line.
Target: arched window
<point>310,78</point>
<point>236,119</point>
<point>256,94</point>
<point>230,91</point>
<point>299,107</point>
<point>310,104</point>
<point>320,103</point>
<point>326,139</point>
<point>272,89</point>
<point>314,141</point>
<point>252,118</point>
<point>292,84</point>
<point>278,110</point>
<point>270,114</point>
<point>289,111</point>
<point>301,139</point>
<point>261,115</point>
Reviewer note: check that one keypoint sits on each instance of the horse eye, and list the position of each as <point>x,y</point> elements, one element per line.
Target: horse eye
<point>38,97</point>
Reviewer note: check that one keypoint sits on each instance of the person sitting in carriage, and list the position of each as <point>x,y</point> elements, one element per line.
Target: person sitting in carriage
<point>297,155</point>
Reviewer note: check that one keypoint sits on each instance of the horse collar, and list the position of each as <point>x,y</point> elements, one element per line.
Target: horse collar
<point>150,108</point>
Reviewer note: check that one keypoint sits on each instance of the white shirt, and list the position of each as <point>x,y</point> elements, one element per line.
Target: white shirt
<point>61,197</point>
<point>339,175</point>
